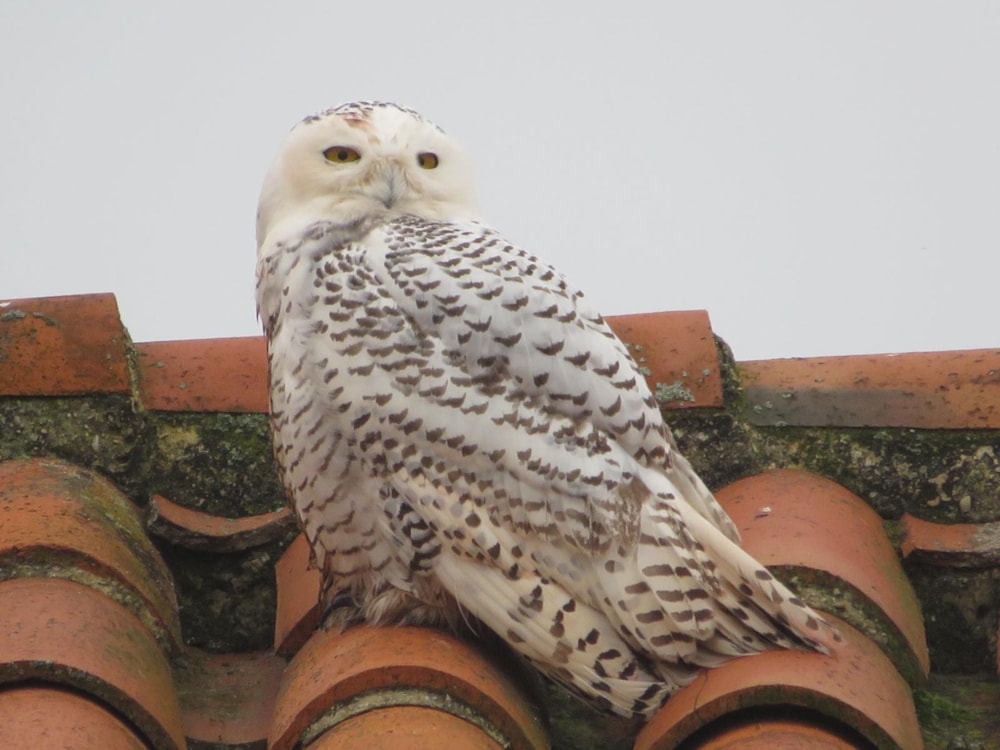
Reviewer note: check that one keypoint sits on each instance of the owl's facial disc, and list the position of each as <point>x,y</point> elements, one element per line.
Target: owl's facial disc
<point>364,160</point>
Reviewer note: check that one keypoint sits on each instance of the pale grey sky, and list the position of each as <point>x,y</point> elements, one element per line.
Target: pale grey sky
<point>823,178</point>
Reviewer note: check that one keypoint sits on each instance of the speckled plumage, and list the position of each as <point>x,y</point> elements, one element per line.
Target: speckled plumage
<point>464,439</point>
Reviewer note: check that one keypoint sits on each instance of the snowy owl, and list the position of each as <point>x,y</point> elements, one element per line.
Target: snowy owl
<point>466,441</point>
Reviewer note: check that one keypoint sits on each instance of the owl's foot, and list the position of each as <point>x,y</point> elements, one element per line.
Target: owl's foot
<point>340,611</point>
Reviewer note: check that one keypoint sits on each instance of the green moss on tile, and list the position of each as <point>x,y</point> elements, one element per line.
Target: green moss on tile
<point>937,711</point>
<point>237,689</point>
<point>959,713</point>
<point>100,432</point>
<point>939,475</point>
<point>227,602</point>
<point>896,534</point>
<point>666,393</point>
<point>576,726</point>
<point>721,446</point>
<point>960,615</point>
<point>216,463</point>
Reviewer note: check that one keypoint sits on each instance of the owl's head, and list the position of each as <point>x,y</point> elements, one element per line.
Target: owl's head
<point>366,159</point>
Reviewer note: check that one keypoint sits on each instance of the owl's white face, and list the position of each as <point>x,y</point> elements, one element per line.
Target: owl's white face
<point>365,160</point>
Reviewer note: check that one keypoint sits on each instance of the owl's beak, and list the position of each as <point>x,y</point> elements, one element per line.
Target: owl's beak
<point>389,184</point>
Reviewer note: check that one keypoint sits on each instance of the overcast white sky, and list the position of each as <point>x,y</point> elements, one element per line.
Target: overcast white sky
<point>823,178</point>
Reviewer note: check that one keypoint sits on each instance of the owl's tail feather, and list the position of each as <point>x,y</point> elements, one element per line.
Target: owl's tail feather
<point>626,628</point>
<point>687,593</point>
<point>690,486</point>
<point>569,641</point>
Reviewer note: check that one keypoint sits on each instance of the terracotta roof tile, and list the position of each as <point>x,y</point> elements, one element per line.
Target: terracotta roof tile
<point>762,733</point>
<point>858,687</point>
<point>228,699</point>
<point>58,631</point>
<point>954,545</point>
<point>36,716</point>
<point>405,728</point>
<point>678,350</point>
<point>87,604</point>
<point>298,585</point>
<point>946,390</point>
<point>62,346</point>
<point>385,668</point>
<point>196,530</point>
<point>59,520</point>
<point>793,520</point>
<point>228,375</point>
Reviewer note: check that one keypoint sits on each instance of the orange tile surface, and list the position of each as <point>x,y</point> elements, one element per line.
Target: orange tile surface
<point>47,717</point>
<point>62,346</point>
<point>679,350</point>
<point>211,375</point>
<point>958,545</point>
<point>195,529</point>
<point>62,632</point>
<point>792,517</point>
<point>857,686</point>
<point>53,513</point>
<point>298,586</point>
<point>332,668</point>
<point>943,390</point>
<point>777,734</point>
<point>405,728</point>
<point>228,698</point>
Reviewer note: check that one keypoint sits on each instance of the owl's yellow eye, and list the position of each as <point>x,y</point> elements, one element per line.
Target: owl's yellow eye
<point>341,154</point>
<point>427,160</point>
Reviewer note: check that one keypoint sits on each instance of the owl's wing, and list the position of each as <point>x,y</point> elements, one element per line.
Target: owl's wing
<point>358,319</point>
<point>512,316</point>
<point>508,317</point>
